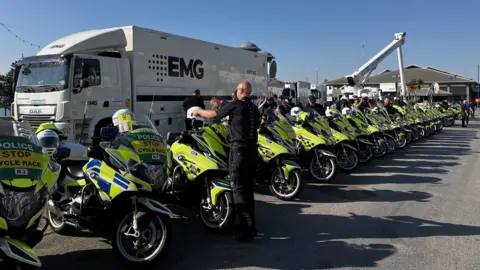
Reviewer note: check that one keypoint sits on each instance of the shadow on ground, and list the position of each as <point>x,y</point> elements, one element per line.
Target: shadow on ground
<point>293,239</point>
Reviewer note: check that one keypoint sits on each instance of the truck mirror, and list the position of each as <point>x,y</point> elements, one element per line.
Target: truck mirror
<point>84,84</point>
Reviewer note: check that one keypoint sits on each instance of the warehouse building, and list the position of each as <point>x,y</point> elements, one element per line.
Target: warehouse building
<point>454,86</point>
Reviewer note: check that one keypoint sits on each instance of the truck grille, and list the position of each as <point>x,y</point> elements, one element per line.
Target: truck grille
<point>36,120</point>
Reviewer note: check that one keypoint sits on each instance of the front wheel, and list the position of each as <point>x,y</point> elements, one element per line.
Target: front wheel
<point>365,153</point>
<point>216,217</point>
<point>380,149</point>
<point>390,144</point>
<point>146,244</point>
<point>401,142</point>
<point>347,159</point>
<point>286,190</point>
<point>323,168</point>
<point>421,133</point>
<point>414,135</point>
<point>408,136</point>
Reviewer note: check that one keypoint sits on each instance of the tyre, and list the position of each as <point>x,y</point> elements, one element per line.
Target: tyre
<point>414,135</point>
<point>401,142</point>
<point>408,136</point>
<point>421,133</point>
<point>149,243</point>
<point>347,160</point>
<point>390,145</point>
<point>380,150</point>
<point>216,217</point>
<point>323,169</point>
<point>365,153</point>
<point>286,190</point>
<point>57,223</point>
<point>427,131</point>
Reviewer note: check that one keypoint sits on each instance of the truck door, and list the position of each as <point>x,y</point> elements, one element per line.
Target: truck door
<point>104,92</point>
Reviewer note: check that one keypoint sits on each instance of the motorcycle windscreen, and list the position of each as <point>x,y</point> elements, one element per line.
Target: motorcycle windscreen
<point>147,142</point>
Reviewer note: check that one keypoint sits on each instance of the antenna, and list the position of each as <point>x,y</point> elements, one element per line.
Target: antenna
<point>151,108</point>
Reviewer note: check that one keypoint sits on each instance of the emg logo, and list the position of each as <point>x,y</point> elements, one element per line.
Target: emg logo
<point>174,66</point>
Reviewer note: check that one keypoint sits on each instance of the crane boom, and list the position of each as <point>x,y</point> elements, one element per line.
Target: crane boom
<point>360,76</point>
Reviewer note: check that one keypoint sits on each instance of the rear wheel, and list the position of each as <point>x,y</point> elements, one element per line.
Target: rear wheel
<point>57,222</point>
<point>323,168</point>
<point>286,190</point>
<point>216,217</point>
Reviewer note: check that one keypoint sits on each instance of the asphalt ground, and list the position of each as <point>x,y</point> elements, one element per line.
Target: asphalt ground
<point>415,209</point>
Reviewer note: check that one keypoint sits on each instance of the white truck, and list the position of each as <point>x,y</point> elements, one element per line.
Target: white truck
<point>299,91</point>
<point>80,80</point>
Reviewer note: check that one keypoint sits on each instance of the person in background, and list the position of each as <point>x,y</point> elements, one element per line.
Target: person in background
<point>312,105</point>
<point>244,121</point>
<point>465,113</point>
<point>387,102</point>
<point>473,105</point>
<point>362,103</point>
<point>216,103</point>
<point>268,104</point>
<point>193,101</point>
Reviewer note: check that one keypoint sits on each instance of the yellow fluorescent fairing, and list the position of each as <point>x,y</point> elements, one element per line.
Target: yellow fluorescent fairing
<point>36,216</point>
<point>269,149</point>
<point>192,162</point>
<point>309,140</point>
<point>107,180</point>
<point>19,251</point>
<point>217,189</point>
<point>124,154</point>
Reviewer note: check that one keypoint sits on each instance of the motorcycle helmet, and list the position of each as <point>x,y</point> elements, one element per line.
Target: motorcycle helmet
<point>196,120</point>
<point>49,140</point>
<point>125,113</point>
<point>295,111</point>
<point>346,111</point>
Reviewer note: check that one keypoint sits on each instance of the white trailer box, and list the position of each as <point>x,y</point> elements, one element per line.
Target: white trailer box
<point>128,67</point>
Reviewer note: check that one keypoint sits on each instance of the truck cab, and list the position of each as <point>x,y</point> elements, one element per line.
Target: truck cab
<point>65,88</point>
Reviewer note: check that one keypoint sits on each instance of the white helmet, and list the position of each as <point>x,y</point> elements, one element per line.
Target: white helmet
<point>346,111</point>
<point>126,112</point>
<point>190,112</point>
<point>295,111</point>
<point>364,95</point>
<point>49,140</point>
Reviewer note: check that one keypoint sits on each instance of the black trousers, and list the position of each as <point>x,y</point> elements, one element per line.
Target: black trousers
<point>465,118</point>
<point>243,164</point>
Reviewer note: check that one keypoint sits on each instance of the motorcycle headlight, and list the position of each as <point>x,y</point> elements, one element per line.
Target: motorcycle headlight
<point>18,207</point>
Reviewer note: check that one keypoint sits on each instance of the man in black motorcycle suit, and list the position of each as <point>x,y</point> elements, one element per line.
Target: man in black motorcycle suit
<point>244,121</point>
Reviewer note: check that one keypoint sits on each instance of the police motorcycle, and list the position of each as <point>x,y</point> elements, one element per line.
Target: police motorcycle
<point>277,148</point>
<point>27,177</point>
<point>371,132</point>
<point>315,146</point>
<point>347,155</point>
<point>340,123</point>
<point>199,176</point>
<point>396,128</point>
<point>112,193</point>
<point>374,117</point>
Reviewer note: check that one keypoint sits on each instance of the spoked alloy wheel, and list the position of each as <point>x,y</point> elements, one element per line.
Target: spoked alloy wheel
<point>149,242</point>
<point>401,141</point>
<point>347,160</point>
<point>323,168</point>
<point>217,216</point>
<point>390,144</point>
<point>421,133</point>
<point>283,189</point>
<point>380,149</point>
<point>365,153</point>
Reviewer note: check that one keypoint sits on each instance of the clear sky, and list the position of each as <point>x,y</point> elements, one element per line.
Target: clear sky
<point>303,35</point>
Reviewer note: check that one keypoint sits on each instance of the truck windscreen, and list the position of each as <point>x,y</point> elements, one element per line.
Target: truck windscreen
<point>43,76</point>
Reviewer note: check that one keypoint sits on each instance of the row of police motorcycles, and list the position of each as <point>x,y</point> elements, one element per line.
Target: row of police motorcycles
<point>120,189</point>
